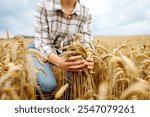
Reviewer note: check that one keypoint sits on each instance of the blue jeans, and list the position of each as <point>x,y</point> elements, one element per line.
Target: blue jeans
<point>46,82</point>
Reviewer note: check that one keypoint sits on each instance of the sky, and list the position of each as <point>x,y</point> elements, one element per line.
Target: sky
<point>110,17</point>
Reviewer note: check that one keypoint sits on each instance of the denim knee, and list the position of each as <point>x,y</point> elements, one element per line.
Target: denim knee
<point>46,82</point>
<point>31,45</point>
<point>47,87</point>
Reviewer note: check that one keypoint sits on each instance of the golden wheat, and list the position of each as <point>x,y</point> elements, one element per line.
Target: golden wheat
<point>120,72</point>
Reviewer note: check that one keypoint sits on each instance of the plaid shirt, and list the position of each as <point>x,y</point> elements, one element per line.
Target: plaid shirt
<point>53,28</point>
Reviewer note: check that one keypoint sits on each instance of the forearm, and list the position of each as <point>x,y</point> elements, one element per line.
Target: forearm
<point>55,59</point>
<point>86,31</point>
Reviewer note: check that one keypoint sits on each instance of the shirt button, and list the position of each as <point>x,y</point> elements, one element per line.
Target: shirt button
<point>69,16</point>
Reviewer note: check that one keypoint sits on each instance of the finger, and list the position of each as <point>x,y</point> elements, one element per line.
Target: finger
<point>73,58</point>
<point>73,63</point>
<point>79,70</point>
<point>89,59</point>
<point>76,67</point>
<point>90,67</point>
<point>89,63</point>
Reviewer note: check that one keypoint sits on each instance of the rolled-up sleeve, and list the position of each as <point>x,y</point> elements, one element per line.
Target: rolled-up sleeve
<point>86,30</point>
<point>41,28</point>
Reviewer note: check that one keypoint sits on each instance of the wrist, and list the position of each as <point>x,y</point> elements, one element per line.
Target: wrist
<point>55,59</point>
<point>59,63</point>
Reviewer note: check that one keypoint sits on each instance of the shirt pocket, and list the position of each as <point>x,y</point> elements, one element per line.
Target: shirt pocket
<point>53,37</point>
<point>54,25</point>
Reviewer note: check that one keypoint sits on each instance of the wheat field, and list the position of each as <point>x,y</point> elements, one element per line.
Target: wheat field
<point>121,70</point>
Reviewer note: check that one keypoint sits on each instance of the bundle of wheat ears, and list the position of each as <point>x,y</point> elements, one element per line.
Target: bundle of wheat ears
<point>119,73</point>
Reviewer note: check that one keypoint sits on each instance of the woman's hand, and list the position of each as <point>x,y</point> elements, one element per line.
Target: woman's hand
<point>89,63</point>
<point>74,63</point>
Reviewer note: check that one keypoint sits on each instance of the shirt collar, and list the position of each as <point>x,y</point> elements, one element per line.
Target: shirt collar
<point>57,6</point>
<point>77,8</point>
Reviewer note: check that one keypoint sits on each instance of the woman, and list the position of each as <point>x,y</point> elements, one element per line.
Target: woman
<point>56,21</point>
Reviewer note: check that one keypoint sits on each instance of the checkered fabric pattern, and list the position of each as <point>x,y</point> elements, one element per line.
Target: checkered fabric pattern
<point>53,28</point>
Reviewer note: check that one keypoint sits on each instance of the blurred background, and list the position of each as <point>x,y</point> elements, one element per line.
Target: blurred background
<point>110,17</point>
